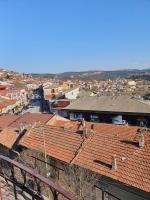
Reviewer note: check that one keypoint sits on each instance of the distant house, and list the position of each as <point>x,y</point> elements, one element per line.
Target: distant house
<point>117,110</point>
<point>7,106</point>
<point>57,106</point>
<point>72,93</point>
<point>57,102</point>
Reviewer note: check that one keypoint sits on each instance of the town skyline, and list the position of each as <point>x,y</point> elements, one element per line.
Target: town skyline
<point>132,68</point>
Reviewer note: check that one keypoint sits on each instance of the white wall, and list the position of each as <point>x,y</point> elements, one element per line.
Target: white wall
<point>72,94</point>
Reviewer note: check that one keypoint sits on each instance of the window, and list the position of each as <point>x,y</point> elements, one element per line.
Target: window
<point>104,195</point>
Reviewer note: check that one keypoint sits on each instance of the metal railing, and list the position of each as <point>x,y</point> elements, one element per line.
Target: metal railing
<point>9,170</point>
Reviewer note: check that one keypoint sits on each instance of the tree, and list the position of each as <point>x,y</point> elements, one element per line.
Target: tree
<point>80,181</point>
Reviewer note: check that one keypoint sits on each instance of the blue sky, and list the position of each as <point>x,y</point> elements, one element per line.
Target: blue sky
<point>74,35</point>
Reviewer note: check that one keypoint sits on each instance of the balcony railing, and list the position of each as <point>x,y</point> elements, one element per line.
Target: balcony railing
<point>31,182</point>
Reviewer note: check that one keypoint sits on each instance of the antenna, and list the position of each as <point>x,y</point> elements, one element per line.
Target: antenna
<point>45,152</point>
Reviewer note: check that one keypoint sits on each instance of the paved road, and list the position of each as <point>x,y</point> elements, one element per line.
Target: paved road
<point>37,106</point>
<point>34,108</point>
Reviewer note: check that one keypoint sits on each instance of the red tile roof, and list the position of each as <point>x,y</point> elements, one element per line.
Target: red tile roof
<point>57,120</point>
<point>60,104</point>
<point>97,127</point>
<point>133,162</point>
<point>6,120</point>
<point>67,124</point>
<point>60,144</point>
<point>3,87</point>
<point>31,118</point>
<point>58,123</point>
<point>11,123</point>
<point>47,97</point>
<point>8,137</point>
<point>95,152</point>
<point>63,103</point>
<point>6,102</point>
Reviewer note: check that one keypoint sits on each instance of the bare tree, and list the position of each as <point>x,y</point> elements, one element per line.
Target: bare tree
<point>80,181</point>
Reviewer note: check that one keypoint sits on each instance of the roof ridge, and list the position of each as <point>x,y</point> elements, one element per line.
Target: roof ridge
<point>84,142</point>
<point>140,101</point>
<point>15,120</point>
<point>66,130</point>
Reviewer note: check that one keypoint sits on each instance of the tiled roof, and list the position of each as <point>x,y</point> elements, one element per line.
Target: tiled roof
<point>31,118</point>
<point>6,120</point>
<point>47,97</point>
<point>59,143</point>
<point>95,152</point>
<point>133,162</point>
<point>121,130</point>
<point>63,103</point>
<point>58,123</point>
<point>67,124</point>
<point>59,104</point>
<point>2,87</point>
<point>97,127</point>
<point>8,137</point>
<point>4,103</point>
<point>57,120</point>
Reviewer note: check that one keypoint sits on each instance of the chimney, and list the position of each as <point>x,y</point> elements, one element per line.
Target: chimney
<point>21,128</point>
<point>83,122</point>
<point>141,140</point>
<point>114,162</point>
<point>92,126</point>
<point>84,132</point>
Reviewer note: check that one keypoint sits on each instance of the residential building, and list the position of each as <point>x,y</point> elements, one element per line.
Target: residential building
<point>119,155</point>
<point>117,109</point>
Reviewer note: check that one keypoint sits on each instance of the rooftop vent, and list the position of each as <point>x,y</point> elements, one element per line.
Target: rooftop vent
<point>114,162</point>
<point>84,132</point>
<point>141,140</point>
<point>83,122</point>
<point>21,128</point>
<point>92,126</point>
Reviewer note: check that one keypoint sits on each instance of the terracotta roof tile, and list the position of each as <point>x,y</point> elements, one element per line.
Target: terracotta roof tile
<point>6,102</point>
<point>31,118</point>
<point>8,137</point>
<point>95,152</point>
<point>6,120</point>
<point>133,162</point>
<point>3,87</point>
<point>54,136</point>
<point>63,103</point>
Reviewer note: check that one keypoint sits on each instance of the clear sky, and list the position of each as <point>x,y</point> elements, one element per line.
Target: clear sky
<point>74,35</point>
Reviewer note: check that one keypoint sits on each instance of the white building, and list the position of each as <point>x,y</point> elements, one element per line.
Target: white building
<point>72,94</point>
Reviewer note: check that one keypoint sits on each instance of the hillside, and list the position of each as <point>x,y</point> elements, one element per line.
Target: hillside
<point>99,75</point>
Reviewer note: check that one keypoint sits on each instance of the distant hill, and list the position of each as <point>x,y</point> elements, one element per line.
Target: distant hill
<point>100,75</point>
